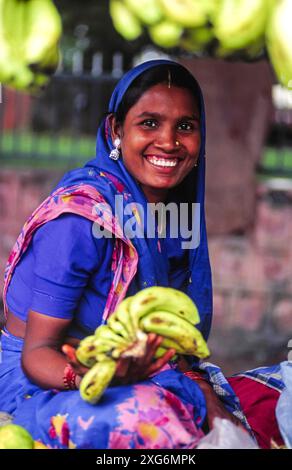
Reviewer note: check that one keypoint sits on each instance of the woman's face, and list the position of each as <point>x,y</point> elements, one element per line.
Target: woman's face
<point>160,139</point>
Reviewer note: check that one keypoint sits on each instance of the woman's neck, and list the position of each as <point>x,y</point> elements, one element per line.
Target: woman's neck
<point>154,195</point>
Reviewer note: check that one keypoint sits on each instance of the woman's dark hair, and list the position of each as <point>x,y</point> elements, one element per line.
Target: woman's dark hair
<point>174,74</point>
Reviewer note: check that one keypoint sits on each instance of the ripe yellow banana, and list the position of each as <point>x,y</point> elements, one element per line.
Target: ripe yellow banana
<point>181,331</point>
<point>97,379</point>
<point>163,298</point>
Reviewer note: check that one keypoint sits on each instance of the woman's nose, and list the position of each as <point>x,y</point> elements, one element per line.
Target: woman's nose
<point>167,140</point>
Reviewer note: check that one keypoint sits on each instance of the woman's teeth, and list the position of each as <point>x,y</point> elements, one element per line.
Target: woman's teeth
<point>163,161</point>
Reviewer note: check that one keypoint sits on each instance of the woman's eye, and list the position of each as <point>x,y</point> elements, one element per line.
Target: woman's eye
<point>149,123</point>
<point>186,126</point>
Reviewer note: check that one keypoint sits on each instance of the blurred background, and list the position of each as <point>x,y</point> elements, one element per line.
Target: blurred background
<point>48,125</point>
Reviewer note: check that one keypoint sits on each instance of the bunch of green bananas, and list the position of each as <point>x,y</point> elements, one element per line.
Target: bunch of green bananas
<point>161,310</point>
<point>233,29</point>
<point>29,35</point>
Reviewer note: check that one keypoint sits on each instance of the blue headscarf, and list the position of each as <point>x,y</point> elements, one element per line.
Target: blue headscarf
<point>153,265</point>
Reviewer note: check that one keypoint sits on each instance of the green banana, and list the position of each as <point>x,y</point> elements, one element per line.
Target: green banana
<point>117,326</point>
<point>196,40</point>
<point>240,23</point>
<point>148,11</point>
<point>49,62</point>
<point>111,349</point>
<point>43,30</point>
<point>97,379</point>
<point>181,331</point>
<point>104,332</point>
<point>13,18</point>
<point>122,314</point>
<point>160,352</point>
<point>13,70</point>
<point>166,34</point>
<point>187,13</point>
<point>124,21</point>
<point>163,298</point>
<point>87,351</point>
<point>279,40</point>
<point>168,343</point>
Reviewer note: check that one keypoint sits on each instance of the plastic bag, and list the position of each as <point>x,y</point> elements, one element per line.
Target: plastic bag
<point>284,405</point>
<point>226,435</point>
<point>5,418</point>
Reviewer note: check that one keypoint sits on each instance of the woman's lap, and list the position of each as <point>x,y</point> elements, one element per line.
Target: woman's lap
<point>139,416</point>
<point>163,412</point>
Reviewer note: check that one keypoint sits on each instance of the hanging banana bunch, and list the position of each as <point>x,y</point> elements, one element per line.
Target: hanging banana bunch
<point>30,31</point>
<point>245,30</point>
<point>161,310</point>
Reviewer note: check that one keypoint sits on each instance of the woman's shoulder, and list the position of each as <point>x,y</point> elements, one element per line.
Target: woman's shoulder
<point>71,232</point>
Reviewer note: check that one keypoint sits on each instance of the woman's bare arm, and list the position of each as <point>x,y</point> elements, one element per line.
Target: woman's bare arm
<point>42,359</point>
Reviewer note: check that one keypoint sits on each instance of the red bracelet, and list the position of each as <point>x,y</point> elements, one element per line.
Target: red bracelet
<point>69,378</point>
<point>194,375</point>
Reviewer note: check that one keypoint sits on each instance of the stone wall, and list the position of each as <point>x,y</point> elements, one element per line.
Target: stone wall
<point>252,273</point>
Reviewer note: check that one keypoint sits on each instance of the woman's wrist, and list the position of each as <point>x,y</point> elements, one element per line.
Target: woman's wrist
<point>201,381</point>
<point>71,380</point>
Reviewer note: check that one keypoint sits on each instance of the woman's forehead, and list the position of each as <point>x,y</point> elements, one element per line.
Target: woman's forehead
<point>165,98</point>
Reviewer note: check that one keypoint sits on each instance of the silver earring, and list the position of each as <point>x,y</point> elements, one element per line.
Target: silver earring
<point>115,153</point>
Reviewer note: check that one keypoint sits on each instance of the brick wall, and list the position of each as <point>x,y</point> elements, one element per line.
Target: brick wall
<point>252,273</point>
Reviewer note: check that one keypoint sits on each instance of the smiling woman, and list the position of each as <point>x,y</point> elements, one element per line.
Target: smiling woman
<point>160,147</point>
<point>62,281</point>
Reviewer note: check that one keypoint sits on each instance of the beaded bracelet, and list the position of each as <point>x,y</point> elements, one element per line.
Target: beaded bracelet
<point>69,377</point>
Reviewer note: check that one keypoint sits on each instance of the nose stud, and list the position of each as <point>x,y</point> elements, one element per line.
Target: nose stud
<point>177,143</point>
